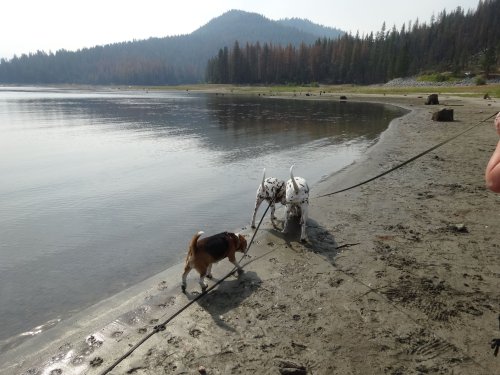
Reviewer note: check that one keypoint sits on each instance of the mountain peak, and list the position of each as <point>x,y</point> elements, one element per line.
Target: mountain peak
<point>253,27</point>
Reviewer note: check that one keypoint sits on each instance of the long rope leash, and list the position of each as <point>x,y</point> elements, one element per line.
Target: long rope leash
<point>495,343</point>
<point>162,326</point>
<point>409,160</point>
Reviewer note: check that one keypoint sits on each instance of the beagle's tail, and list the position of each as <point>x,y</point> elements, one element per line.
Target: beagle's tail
<point>263,178</point>
<point>295,186</point>
<point>194,241</point>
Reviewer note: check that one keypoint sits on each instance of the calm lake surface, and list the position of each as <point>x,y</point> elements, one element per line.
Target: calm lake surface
<point>102,189</point>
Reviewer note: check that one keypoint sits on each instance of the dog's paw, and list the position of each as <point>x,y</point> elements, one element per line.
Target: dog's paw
<point>240,271</point>
<point>252,226</point>
<point>210,276</point>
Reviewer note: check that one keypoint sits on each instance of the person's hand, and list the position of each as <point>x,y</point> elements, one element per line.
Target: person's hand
<point>497,123</point>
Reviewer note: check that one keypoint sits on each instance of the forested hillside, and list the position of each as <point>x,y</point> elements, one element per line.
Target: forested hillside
<point>241,47</point>
<point>157,61</point>
<point>454,42</point>
<point>311,28</point>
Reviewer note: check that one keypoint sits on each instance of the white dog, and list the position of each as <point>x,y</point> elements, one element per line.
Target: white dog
<point>270,190</point>
<point>297,202</point>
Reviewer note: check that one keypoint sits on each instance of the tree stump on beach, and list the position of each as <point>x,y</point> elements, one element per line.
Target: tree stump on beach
<point>445,114</point>
<point>432,99</point>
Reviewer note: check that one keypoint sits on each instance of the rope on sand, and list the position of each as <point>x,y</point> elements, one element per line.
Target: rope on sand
<point>162,326</point>
<point>409,160</point>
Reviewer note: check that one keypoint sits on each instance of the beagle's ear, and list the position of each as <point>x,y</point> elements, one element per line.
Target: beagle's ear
<point>242,239</point>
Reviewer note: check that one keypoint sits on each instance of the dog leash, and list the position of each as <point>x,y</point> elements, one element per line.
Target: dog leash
<point>409,160</point>
<point>162,326</point>
<point>257,228</point>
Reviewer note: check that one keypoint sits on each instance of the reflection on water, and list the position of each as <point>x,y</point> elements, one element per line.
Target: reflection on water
<point>103,189</point>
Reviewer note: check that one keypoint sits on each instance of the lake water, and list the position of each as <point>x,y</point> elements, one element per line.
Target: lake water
<point>102,189</point>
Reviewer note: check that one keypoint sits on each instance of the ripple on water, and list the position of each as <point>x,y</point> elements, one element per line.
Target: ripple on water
<point>14,341</point>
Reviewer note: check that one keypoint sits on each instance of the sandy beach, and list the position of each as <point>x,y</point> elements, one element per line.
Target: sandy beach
<point>399,276</point>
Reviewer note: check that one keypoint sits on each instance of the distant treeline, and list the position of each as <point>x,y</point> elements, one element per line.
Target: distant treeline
<point>454,42</point>
<point>157,61</point>
<point>129,63</point>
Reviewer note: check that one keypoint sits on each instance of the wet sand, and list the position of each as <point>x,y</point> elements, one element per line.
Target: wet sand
<point>399,276</point>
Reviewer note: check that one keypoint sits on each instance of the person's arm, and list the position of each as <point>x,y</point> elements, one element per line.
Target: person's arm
<point>492,174</point>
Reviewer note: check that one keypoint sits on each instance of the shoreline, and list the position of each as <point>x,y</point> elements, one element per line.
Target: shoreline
<point>40,316</point>
<point>346,310</point>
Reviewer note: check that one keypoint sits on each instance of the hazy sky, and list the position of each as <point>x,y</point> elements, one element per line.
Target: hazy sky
<point>49,25</point>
